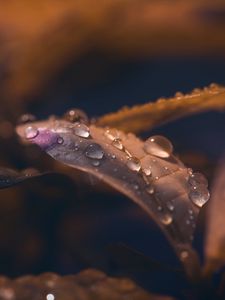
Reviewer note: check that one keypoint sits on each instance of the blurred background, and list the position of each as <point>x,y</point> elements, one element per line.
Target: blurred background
<point>100,56</point>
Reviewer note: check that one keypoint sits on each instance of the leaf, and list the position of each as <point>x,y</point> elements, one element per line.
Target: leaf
<point>159,185</point>
<point>215,233</point>
<point>146,116</point>
<point>9,177</point>
<point>90,284</point>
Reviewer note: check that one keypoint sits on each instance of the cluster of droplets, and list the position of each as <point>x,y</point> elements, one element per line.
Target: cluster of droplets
<point>198,188</point>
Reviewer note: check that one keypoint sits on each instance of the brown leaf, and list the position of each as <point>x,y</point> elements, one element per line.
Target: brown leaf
<point>90,284</point>
<point>215,234</point>
<point>146,116</point>
<point>160,185</point>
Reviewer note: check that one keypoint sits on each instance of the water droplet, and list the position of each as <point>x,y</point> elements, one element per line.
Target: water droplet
<point>117,143</point>
<point>111,134</point>
<point>136,186</point>
<point>159,208</point>
<point>170,205</point>
<point>159,146</point>
<point>134,164</point>
<point>179,95</point>
<point>94,151</point>
<point>82,130</point>
<point>199,196</point>
<point>166,219</point>
<point>75,115</point>
<point>26,118</point>
<point>113,156</point>
<point>31,132</point>
<point>60,140</point>
<point>147,171</point>
<point>95,163</point>
<point>50,297</point>
<point>197,178</point>
<point>150,190</point>
<point>184,255</point>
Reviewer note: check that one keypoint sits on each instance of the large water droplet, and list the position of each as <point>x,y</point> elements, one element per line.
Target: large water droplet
<point>159,146</point>
<point>31,132</point>
<point>117,143</point>
<point>134,164</point>
<point>197,178</point>
<point>94,151</point>
<point>82,130</point>
<point>200,195</point>
<point>166,219</point>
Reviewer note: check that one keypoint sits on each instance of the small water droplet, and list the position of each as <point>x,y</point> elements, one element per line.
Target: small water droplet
<point>150,190</point>
<point>82,130</point>
<point>136,186</point>
<point>94,151</point>
<point>170,205</point>
<point>147,171</point>
<point>134,164</point>
<point>111,134</point>
<point>75,115</point>
<point>31,132</point>
<point>60,140</point>
<point>159,208</point>
<point>113,156</point>
<point>95,163</point>
<point>197,178</point>
<point>156,177</point>
<point>50,297</point>
<point>179,95</point>
<point>199,196</point>
<point>117,143</point>
<point>184,255</point>
<point>166,219</point>
<point>159,146</point>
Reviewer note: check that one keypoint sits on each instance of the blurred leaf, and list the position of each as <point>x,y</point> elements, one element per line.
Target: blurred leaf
<point>215,234</point>
<point>90,284</point>
<point>9,177</point>
<point>146,116</point>
<point>121,161</point>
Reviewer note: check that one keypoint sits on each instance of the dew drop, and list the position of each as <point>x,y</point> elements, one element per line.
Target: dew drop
<point>113,156</point>
<point>82,130</point>
<point>95,163</point>
<point>50,297</point>
<point>179,95</point>
<point>75,115</point>
<point>94,151</point>
<point>166,219</point>
<point>117,143</point>
<point>60,140</point>
<point>134,164</point>
<point>197,178</point>
<point>150,190</point>
<point>111,134</point>
<point>159,146</point>
<point>170,206</point>
<point>147,171</point>
<point>200,195</point>
<point>184,255</point>
<point>31,132</point>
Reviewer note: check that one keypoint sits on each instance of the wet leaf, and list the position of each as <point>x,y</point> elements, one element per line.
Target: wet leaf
<point>215,234</point>
<point>90,284</point>
<point>146,116</point>
<point>9,177</point>
<point>146,172</point>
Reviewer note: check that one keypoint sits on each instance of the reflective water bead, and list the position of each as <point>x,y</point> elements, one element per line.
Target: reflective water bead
<point>117,143</point>
<point>95,163</point>
<point>50,297</point>
<point>150,190</point>
<point>111,134</point>
<point>94,151</point>
<point>166,219</point>
<point>134,164</point>
<point>82,130</point>
<point>147,171</point>
<point>31,132</point>
<point>200,195</point>
<point>170,205</point>
<point>159,146</point>
<point>184,255</point>
<point>60,140</point>
<point>197,178</point>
